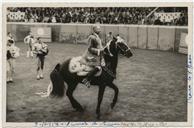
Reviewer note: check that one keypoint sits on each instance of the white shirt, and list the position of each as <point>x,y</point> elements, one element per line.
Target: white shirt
<point>28,40</point>
<point>39,46</point>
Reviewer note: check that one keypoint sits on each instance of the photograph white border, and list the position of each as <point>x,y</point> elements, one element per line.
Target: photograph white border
<point>97,124</point>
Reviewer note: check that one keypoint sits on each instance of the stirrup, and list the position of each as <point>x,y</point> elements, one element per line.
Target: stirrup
<point>86,82</point>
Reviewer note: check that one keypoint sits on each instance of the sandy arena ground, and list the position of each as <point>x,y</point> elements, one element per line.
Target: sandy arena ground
<point>152,87</point>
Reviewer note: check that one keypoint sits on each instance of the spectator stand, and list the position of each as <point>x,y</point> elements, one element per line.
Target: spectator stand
<point>103,15</point>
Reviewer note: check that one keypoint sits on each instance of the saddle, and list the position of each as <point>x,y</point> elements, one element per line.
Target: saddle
<point>79,66</point>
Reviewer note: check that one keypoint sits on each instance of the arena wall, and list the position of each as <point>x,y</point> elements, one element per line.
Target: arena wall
<point>142,37</point>
<point>166,38</point>
<point>123,31</point>
<point>137,36</point>
<point>152,35</point>
<point>132,36</point>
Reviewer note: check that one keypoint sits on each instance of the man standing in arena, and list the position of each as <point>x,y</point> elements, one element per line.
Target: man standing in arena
<point>93,54</point>
<point>41,50</point>
<point>29,40</point>
<point>12,54</point>
<point>109,36</point>
<point>11,41</point>
<point>9,62</point>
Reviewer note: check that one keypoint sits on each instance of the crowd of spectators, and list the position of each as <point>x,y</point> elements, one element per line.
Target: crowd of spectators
<point>181,21</point>
<point>104,15</point>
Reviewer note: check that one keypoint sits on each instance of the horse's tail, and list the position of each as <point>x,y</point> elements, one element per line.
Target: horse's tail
<point>58,87</point>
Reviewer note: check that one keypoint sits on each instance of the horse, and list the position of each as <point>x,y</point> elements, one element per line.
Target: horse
<point>61,74</point>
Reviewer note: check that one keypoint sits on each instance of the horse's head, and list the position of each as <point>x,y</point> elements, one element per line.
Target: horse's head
<point>122,47</point>
<point>117,44</point>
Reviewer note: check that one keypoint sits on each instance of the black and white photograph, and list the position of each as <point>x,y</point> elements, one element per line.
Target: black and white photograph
<point>97,63</point>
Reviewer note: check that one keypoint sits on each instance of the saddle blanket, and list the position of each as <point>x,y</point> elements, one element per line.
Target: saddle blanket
<point>79,65</point>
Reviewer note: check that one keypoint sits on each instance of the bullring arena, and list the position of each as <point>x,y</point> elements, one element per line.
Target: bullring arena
<point>152,84</point>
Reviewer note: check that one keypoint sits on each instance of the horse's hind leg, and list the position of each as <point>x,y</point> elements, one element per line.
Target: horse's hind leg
<point>115,88</point>
<point>69,93</point>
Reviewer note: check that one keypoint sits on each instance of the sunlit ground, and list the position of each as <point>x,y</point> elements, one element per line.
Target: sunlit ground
<point>152,87</point>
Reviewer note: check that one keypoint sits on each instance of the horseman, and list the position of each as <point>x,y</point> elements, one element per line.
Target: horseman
<point>93,55</point>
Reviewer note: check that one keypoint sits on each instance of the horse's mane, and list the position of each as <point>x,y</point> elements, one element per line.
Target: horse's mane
<point>111,55</point>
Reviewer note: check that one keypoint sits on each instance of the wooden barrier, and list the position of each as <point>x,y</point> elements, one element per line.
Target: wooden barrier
<point>142,37</point>
<point>133,36</point>
<point>152,37</point>
<point>166,38</point>
<point>137,36</point>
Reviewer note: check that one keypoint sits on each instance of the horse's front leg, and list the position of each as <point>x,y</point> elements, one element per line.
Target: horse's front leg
<point>74,103</point>
<point>100,96</point>
<point>115,88</point>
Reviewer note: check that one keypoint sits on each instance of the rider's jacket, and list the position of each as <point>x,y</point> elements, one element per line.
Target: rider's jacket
<point>92,54</point>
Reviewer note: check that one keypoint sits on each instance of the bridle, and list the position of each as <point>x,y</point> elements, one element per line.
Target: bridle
<point>117,46</point>
<point>124,51</point>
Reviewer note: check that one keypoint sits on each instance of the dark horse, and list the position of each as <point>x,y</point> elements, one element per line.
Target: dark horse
<point>61,74</point>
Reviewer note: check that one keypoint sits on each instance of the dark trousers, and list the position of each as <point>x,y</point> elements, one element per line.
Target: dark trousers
<point>40,61</point>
